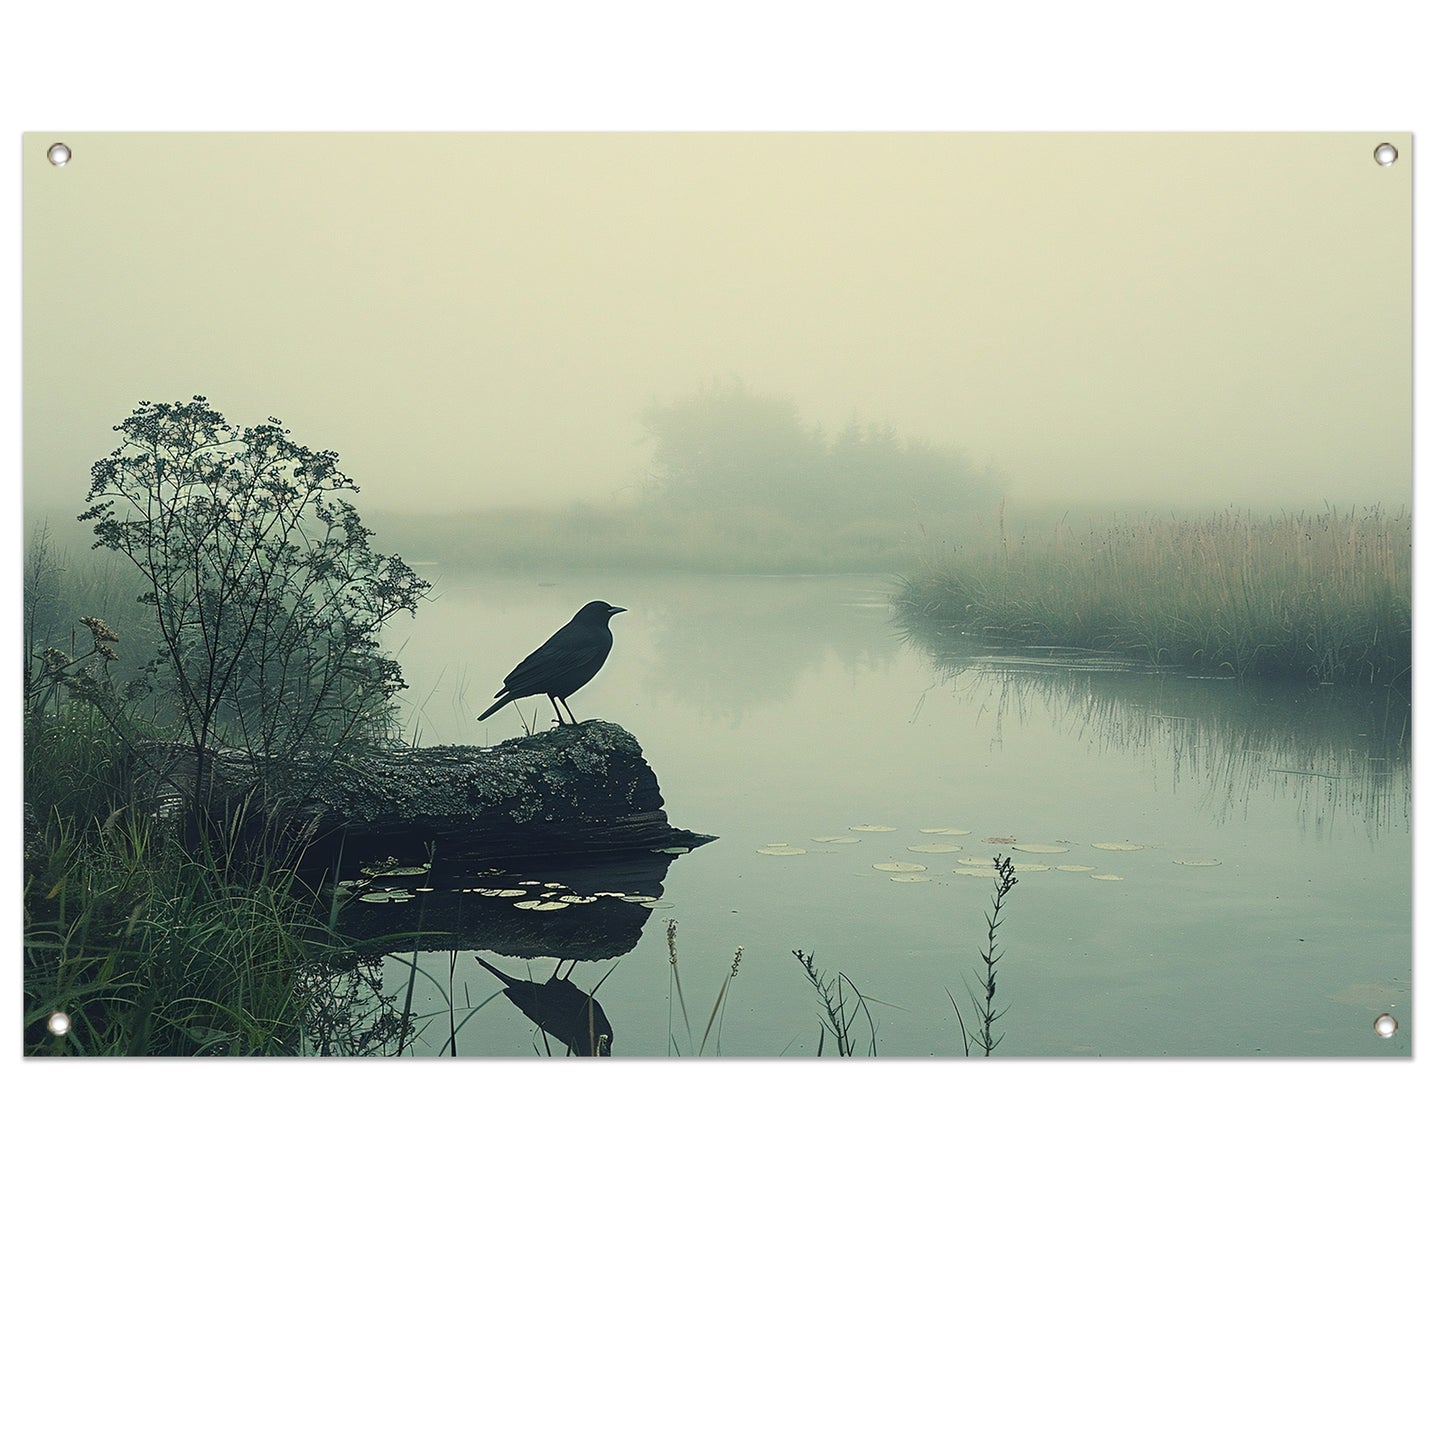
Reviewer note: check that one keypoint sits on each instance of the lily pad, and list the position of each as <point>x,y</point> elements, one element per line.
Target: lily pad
<point>872,828</point>
<point>541,905</point>
<point>780,850</point>
<point>384,898</point>
<point>949,832</point>
<point>656,903</point>
<point>1197,862</point>
<point>1033,867</point>
<point>975,872</point>
<point>901,867</point>
<point>933,847</point>
<point>909,878</point>
<point>837,840</point>
<point>1107,877</point>
<point>1119,847</point>
<point>1041,847</point>
<point>1073,867</point>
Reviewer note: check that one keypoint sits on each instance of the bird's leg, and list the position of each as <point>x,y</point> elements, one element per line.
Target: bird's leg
<point>556,709</point>
<point>570,713</point>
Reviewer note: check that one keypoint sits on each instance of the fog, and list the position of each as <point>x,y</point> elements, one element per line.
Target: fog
<point>478,321</point>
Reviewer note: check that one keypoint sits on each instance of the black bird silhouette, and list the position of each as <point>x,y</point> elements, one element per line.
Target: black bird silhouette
<point>568,659</point>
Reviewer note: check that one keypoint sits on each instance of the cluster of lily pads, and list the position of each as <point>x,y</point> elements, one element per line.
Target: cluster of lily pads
<point>965,866</point>
<point>375,886</point>
<point>555,895</point>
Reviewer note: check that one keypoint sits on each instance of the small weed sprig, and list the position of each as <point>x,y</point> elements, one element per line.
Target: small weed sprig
<point>839,1015</point>
<point>988,1016</point>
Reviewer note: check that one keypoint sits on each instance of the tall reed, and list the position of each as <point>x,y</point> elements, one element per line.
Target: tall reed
<point>719,1005</point>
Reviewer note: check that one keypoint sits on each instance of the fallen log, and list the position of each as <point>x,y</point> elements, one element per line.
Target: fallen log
<point>571,792</point>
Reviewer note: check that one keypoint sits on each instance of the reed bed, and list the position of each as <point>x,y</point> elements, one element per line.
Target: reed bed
<point>1322,598</point>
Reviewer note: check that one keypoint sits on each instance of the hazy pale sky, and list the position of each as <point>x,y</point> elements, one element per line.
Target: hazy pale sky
<point>477,320</point>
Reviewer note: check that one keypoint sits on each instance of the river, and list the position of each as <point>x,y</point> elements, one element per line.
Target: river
<point>1205,868</point>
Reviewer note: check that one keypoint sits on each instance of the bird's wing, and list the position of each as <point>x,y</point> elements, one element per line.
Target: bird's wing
<point>555,658</point>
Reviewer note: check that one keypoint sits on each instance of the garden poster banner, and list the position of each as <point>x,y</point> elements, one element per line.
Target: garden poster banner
<point>742,595</point>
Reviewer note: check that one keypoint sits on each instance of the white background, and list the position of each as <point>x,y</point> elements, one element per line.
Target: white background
<point>1159,1251</point>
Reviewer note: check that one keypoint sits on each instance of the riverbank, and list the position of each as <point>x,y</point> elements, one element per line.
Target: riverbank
<point>146,946</point>
<point>658,538</point>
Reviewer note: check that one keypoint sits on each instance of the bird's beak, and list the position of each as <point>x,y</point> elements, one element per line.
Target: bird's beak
<point>613,611</point>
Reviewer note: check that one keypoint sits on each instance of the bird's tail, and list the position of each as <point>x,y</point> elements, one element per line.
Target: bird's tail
<point>495,707</point>
<point>506,978</point>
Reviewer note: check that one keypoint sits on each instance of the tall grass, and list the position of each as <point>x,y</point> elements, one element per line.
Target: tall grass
<point>150,947</point>
<point>1321,598</point>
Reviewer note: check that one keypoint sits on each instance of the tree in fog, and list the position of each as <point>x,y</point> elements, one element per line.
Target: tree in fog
<point>261,582</point>
<point>728,447</point>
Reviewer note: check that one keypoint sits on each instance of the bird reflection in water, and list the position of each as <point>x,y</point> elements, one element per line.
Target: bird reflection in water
<point>559,1008</point>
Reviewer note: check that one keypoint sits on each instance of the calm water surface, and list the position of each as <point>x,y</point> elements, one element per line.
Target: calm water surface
<point>1261,907</point>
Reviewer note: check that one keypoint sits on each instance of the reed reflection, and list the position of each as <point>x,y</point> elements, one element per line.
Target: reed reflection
<point>1337,752</point>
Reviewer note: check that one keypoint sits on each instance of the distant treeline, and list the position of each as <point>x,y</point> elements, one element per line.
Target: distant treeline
<point>736,482</point>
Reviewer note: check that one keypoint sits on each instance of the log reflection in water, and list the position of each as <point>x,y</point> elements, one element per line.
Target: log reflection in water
<point>586,909</point>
